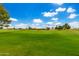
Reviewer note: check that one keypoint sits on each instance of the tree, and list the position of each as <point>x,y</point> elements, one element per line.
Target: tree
<point>30,28</point>
<point>66,26</point>
<point>4,17</point>
<point>59,27</point>
<point>47,28</point>
<point>6,25</point>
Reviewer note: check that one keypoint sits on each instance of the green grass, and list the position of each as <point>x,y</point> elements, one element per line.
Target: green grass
<point>39,42</point>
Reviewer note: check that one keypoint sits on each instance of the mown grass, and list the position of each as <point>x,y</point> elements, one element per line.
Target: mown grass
<point>39,42</point>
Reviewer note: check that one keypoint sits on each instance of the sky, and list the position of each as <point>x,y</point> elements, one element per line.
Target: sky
<point>41,15</point>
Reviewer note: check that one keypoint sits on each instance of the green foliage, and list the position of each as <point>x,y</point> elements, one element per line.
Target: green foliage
<point>65,26</point>
<point>4,16</point>
<point>59,27</point>
<point>7,25</point>
<point>47,28</point>
<point>30,28</point>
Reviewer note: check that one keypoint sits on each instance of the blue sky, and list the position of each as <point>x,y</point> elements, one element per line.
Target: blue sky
<point>43,14</point>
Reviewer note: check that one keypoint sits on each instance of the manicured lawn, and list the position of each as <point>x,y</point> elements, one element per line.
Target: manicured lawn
<point>39,42</point>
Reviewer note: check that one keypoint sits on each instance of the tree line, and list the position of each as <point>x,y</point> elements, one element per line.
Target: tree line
<point>63,27</point>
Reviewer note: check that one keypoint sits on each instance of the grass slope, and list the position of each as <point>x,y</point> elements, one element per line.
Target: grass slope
<point>39,42</point>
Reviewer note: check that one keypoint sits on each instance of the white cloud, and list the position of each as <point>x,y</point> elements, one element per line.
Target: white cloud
<point>21,25</point>
<point>74,24</point>
<point>59,4</point>
<point>49,23</point>
<point>33,25</point>
<point>55,19</point>
<point>70,10</point>
<point>54,24</point>
<point>37,25</point>
<point>72,16</point>
<point>49,14</point>
<point>37,21</point>
<point>60,9</point>
<point>11,26</point>
<point>58,23</point>
<point>13,19</point>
